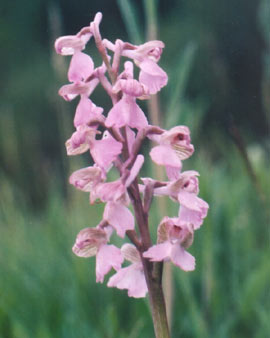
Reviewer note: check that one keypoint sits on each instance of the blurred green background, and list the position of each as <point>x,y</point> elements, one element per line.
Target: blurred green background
<point>218,60</point>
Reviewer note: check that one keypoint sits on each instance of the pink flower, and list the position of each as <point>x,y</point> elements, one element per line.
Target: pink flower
<point>86,112</point>
<point>80,140</point>
<point>87,179</point>
<point>146,57</point>
<point>119,217</point>
<point>112,192</point>
<point>131,277</point>
<point>69,44</point>
<point>126,112</point>
<point>186,181</point>
<point>173,237</point>
<point>117,191</point>
<point>174,147</point>
<point>152,76</point>
<point>192,208</point>
<point>83,87</point>
<point>105,151</point>
<point>93,241</point>
<point>183,190</point>
<point>81,67</point>
<point>70,91</point>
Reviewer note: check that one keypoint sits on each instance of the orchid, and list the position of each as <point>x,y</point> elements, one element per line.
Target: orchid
<point>115,139</point>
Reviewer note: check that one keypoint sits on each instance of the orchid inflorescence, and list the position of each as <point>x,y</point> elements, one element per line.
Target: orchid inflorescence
<point>115,140</point>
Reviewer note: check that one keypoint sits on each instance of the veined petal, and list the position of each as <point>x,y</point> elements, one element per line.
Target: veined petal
<point>108,256</point>
<point>178,138</point>
<point>130,253</point>
<point>88,240</point>
<point>85,178</point>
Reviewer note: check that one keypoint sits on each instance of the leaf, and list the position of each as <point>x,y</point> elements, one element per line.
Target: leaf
<point>130,18</point>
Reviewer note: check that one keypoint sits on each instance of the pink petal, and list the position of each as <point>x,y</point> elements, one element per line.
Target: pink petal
<point>105,151</point>
<point>119,217</point>
<point>85,34</point>
<point>130,138</point>
<point>193,202</point>
<point>83,111</point>
<point>70,91</point>
<point>151,49</point>
<point>173,173</point>
<point>190,216</point>
<point>126,112</point>
<point>130,253</point>
<point>111,191</point>
<point>152,76</point>
<point>131,278</point>
<point>135,170</point>
<point>81,67</point>
<point>178,138</point>
<point>159,252</point>
<point>88,240</point>
<point>80,140</point>
<point>130,87</point>
<point>87,111</point>
<point>182,258</point>
<point>84,179</point>
<point>68,45</point>
<point>108,256</point>
<point>164,155</point>
<point>191,182</point>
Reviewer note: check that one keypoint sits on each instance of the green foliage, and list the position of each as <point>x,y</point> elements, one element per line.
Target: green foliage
<point>131,19</point>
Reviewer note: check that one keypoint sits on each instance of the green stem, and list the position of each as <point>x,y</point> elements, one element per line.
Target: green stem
<point>158,307</point>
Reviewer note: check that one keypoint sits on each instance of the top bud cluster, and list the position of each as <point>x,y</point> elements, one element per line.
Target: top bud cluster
<point>124,128</point>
